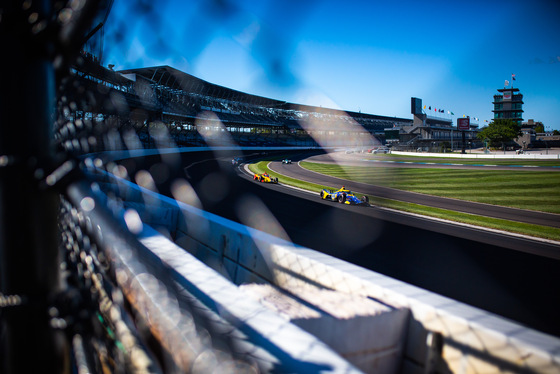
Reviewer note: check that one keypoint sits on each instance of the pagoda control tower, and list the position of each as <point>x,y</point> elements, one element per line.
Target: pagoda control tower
<point>508,105</point>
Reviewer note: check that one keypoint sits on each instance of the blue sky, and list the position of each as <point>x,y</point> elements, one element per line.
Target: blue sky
<point>368,56</point>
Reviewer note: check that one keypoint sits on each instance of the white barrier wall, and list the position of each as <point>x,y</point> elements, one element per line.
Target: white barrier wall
<point>525,156</point>
<point>390,326</point>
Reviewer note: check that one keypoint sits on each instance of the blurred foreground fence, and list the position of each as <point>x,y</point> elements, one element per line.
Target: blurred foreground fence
<point>87,285</point>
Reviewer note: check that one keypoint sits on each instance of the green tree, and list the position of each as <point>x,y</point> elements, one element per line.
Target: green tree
<point>556,132</point>
<point>500,131</point>
<point>539,128</point>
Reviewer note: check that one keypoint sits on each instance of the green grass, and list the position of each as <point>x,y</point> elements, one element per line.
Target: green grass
<point>262,167</point>
<point>544,232</point>
<point>525,189</point>
<point>493,223</point>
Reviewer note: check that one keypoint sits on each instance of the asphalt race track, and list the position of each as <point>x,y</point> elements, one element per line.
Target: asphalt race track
<point>520,215</point>
<point>361,159</point>
<point>476,267</point>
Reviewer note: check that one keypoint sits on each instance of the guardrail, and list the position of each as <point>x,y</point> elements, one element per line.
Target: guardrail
<point>525,156</point>
<point>388,326</point>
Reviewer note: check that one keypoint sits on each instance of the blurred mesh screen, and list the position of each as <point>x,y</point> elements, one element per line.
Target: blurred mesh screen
<point>114,93</point>
<point>101,110</point>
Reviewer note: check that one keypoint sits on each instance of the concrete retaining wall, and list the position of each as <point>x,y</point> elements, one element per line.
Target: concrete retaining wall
<point>391,326</point>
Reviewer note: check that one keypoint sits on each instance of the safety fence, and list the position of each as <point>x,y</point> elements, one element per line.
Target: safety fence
<point>87,286</point>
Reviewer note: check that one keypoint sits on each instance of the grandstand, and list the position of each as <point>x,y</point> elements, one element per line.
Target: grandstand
<point>196,112</point>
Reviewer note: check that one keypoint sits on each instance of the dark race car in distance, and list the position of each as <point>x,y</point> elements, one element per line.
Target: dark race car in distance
<point>343,196</point>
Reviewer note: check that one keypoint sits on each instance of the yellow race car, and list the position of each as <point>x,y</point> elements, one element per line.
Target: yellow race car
<point>265,178</point>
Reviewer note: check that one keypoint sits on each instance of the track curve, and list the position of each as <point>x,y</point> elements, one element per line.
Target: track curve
<point>294,170</point>
<point>514,277</point>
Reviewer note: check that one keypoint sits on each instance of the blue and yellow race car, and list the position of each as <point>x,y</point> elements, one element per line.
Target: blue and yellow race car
<point>343,196</point>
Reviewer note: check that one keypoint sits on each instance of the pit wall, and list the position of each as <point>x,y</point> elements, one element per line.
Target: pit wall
<point>391,327</point>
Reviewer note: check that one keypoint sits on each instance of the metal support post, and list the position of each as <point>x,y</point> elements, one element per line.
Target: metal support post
<point>29,259</point>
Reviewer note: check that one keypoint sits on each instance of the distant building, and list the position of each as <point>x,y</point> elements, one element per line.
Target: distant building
<point>508,105</point>
<point>431,131</point>
<point>529,135</point>
<point>532,139</point>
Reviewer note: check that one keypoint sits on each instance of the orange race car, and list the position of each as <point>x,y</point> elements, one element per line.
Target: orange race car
<point>265,178</point>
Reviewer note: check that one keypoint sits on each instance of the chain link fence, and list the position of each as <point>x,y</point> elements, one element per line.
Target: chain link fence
<point>79,294</point>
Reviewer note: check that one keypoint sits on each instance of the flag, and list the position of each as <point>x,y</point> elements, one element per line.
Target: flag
<point>452,113</point>
<point>513,77</point>
<point>430,107</point>
<point>506,83</point>
<point>424,107</point>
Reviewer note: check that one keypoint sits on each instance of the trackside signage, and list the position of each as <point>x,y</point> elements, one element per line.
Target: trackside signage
<point>463,123</point>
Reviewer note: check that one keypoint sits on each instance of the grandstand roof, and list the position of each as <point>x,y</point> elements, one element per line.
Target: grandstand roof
<point>88,64</point>
<point>438,121</point>
<point>176,79</point>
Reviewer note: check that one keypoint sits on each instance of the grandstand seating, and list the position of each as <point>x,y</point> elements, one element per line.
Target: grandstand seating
<point>182,98</point>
